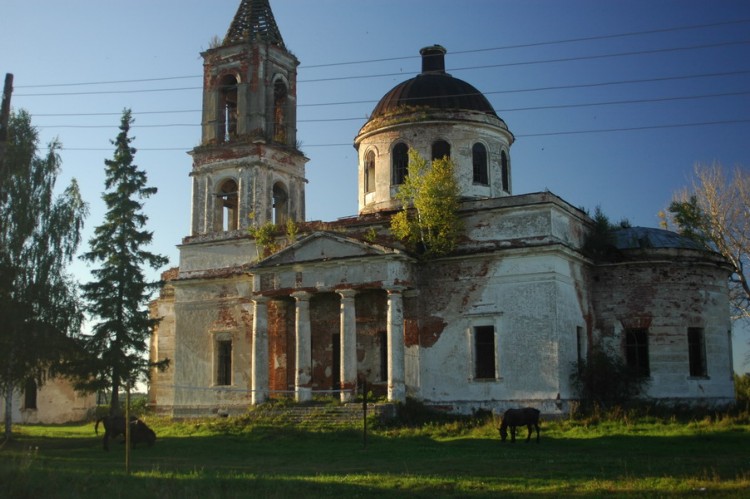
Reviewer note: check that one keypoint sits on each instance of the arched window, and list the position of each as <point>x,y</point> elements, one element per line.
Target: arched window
<point>440,149</point>
<point>369,171</point>
<point>280,204</point>
<point>279,111</point>
<point>227,212</point>
<point>504,167</point>
<point>479,160</point>
<point>400,163</point>
<point>227,108</point>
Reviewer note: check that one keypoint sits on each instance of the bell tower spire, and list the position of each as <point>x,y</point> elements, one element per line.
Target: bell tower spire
<point>254,21</point>
<point>248,169</point>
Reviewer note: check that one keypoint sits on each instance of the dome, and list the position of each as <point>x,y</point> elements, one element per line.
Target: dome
<point>647,237</point>
<point>434,88</point>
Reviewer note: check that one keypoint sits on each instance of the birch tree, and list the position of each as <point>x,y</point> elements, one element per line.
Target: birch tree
<point>715,210</point>
<point>428,221</point>
<point>39,235</point>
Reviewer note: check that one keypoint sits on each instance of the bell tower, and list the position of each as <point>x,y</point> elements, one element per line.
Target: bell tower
<point>248,169</point>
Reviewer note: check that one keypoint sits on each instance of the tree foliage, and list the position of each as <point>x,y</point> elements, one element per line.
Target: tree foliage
<point>428,221</point>
<point>118,295</point>
<point>742,388</point>
<point>715,211</point>
<point>599,242</point>
<point>265,237</point>
<point>39,234</point>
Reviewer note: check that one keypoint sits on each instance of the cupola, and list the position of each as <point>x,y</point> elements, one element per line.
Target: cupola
<point>438,115</point>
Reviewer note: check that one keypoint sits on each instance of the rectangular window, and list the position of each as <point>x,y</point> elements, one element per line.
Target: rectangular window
<point>29,395</point>
<point>697,351</point>
<point>484,352</point>
<point>224,362</point>
<point>636,351</point>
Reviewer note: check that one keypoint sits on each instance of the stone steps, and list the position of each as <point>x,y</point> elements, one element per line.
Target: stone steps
<point>318,415</point>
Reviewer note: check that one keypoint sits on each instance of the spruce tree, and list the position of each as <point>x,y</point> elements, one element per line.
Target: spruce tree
<point>117,297</point>
<point>39,234</point>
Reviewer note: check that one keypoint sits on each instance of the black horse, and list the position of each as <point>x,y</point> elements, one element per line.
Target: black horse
<point>115,425</point>
<point>528,417</point>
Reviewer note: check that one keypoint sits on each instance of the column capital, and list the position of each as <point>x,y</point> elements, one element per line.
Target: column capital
<point>301,295</point>
<point>258,299</point>
<point>395,289</point>
<point>347,293</point>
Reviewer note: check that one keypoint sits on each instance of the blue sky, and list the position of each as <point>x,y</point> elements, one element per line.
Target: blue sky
<point>612,102</point>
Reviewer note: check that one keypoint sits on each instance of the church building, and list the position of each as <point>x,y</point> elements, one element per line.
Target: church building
<point>306,309</point>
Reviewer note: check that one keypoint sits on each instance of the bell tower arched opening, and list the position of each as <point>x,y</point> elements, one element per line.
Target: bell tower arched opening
<point>280,102</point>
<point>280,204</point>
<point>227,108</point>
<point>226,212</point>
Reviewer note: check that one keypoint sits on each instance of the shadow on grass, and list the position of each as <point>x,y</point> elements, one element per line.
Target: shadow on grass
<point>273,462</point>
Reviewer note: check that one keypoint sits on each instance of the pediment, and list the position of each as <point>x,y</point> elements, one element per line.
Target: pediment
<point>325,247</point>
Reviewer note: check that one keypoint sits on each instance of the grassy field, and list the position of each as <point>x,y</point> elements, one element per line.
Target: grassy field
<point>622,457</point>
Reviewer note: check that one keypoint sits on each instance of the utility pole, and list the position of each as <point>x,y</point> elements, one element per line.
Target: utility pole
<point>4,118</point>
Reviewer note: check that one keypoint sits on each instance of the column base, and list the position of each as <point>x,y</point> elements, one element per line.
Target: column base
<point>302,394</point>
<point>397,393</point>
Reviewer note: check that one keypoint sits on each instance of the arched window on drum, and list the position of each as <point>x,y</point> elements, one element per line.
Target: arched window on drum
<point>400,163</point>
<point>369,172</point>
<point>479,161</point>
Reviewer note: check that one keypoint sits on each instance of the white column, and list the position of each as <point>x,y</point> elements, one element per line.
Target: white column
<point>303,354</point>
<point>348,335</point>
<point>260,350</point>
<point>395,328</point>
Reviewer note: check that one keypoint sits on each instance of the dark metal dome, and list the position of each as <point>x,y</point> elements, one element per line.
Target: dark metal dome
<point>648,237</point>
<point>434,88</point>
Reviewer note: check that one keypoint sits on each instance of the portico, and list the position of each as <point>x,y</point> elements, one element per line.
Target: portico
<point>322,273</point>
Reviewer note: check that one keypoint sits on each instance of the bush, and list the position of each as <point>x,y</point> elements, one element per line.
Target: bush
<point>605,380</point>
<point>742,388</point>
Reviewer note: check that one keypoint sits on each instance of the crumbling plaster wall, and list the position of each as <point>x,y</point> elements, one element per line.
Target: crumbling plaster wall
<point>56,403</point>
<point>162,346</point>
<point>213,257</point>
<point>525,278</point>
<point>530,298</point>
<point>668,292</point>
<point>207,311</point>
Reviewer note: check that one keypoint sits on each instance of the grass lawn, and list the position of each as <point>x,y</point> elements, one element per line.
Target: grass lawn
<point>642,457</point>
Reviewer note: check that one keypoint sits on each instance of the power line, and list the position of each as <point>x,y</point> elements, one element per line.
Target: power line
<point>543,61</point>
<point>119,113</point>
<point>110,82</point>
<point>520,135</point>
<point>631,129</point>
<point>537,44</point>
<point>510,91</point>
<point>506,110</point>
<point>354,77</point>
<point>397,58</point>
